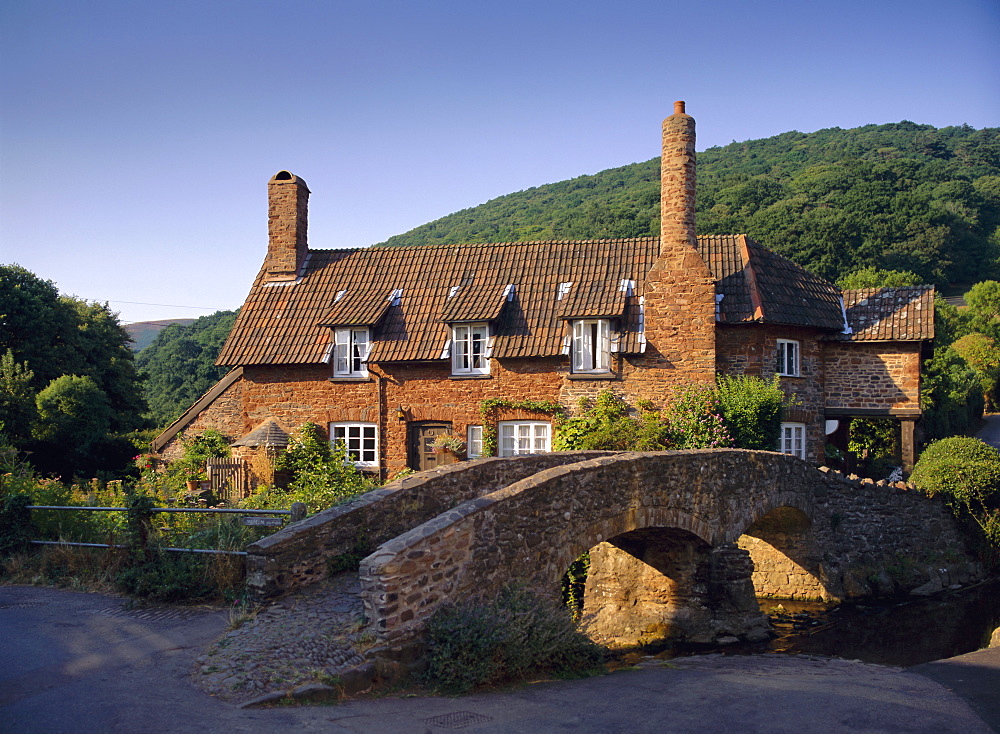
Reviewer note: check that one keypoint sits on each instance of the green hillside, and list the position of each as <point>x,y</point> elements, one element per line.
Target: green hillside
<point>900,196</point>
<point>179,365</point>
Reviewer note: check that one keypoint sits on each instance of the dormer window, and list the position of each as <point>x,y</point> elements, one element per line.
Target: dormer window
<point>788,358</point>
<point>470,349</point>
<point>591,345</point>
<point>350,354</point>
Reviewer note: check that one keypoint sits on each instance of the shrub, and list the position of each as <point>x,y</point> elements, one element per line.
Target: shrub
<point>502,639</point>
<point>322,476</point>
<point>751,410</point>
<point>693,419</point>
<point>966,472</point>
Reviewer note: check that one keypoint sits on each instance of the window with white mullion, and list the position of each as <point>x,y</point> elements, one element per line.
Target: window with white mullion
<point>470,349</point>
<point>350,353</point>
<point>788,358</point>
<point>524,437</point>
<point>360,440</point>
<point>793,439</point>
<point>591,345</point>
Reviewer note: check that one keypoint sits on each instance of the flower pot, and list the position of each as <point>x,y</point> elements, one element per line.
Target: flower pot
<point>192,485</point>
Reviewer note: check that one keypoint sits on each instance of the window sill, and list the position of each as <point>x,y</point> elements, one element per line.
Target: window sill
<point>791,377</point>
<point>349,379</point>
<point>593,376</point>
<point>470,377</point>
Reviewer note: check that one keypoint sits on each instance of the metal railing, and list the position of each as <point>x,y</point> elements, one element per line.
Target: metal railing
<point>296,513</point>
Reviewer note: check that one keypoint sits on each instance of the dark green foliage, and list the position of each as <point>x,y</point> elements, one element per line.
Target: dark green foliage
<point>608,426</point>
<point>869,277</point>
<point>894,197</point>
<point>16,528</point>
<point>951,396</point>
<point>574,585</point>
<point>322,475</point>
<point>494,641</point>
<point>751,410</point>
<point>48,340</point>
<point>179,366</point>
<point>876,444</point>
<point>966,472</point>
<point>17,399</point>
<point>168,577</point>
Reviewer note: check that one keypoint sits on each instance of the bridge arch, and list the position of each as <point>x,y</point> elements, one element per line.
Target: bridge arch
<point>533,529</point>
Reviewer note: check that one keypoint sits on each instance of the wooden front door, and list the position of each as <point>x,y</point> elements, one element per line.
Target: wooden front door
<point>422,435</point>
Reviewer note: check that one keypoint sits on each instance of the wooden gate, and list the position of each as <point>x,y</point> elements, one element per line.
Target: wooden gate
<point>229,478</point>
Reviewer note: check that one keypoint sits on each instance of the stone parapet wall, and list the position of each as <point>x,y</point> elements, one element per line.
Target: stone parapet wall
<point>341,536</point>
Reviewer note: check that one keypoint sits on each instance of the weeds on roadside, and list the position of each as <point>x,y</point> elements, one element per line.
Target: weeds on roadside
<point>503,639</point>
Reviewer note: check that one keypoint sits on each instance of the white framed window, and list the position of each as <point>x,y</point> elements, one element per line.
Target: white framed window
<point>591,345</point>
<point>788,358</point>
<point>793,439</point>
<point>350,352</point>
<point>474,442</point>
<point>361,441</point>
<point>470,349</point>
<point>524,437</point>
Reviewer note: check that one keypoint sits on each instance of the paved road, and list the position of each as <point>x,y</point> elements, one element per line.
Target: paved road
<point>74,662</point>
<point>990,432</point>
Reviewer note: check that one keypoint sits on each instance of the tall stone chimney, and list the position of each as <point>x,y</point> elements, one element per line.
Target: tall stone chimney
<point>677,183</point>
<point>679,292</point>
<point>287,219</point>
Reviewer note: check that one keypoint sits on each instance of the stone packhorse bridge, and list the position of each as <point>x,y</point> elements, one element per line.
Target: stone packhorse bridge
<point>681,542</point>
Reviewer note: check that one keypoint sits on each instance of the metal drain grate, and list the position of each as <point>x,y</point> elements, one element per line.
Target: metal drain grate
<point>149,615</point>
<point>457,720</point>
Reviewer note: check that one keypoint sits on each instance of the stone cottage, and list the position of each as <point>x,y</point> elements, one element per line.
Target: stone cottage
<point>388,348</point>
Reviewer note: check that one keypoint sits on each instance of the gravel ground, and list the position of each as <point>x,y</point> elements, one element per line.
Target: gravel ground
<point>308,636</point>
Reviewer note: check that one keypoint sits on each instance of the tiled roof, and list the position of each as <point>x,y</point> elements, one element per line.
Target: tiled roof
<point>280,324</point>
<point>268,433</point>
<point>552,281</point>
<point>759,285</point>
<point>890,314</point>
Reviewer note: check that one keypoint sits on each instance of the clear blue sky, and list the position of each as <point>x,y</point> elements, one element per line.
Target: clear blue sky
<point>137,138</point>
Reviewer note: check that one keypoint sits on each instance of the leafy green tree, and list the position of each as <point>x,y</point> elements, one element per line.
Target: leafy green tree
<point>74,418</point>
<point>179,366</point>
<point>607,425</point>
<point>871,277</point>
<point>950,395</point>
<point>57,335</point>
<point>17,400</point>
<point>981,353</point>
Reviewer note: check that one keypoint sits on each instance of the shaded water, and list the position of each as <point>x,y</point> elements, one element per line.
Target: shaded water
<point>903,631</point>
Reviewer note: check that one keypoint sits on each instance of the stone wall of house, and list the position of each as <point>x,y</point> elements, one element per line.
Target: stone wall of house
<point>341,536</point>
<point>872,375</point>
<point>753,350</point>
<point>225,414</point>
<point>855,538</point>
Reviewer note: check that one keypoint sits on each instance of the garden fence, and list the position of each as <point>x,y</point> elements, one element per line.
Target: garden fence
<point>251,517</point>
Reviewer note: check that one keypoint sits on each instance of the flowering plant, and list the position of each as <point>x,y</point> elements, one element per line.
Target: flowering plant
<point>448,442</point>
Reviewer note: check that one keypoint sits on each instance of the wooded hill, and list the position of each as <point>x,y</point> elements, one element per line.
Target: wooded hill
<point>901,196</point>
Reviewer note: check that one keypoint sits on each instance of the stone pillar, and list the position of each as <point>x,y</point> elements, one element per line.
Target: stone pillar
<point>287,220</point>
<point>907,445</point>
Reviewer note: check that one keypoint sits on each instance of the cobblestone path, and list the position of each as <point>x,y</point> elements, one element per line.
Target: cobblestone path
<point>307,636</point>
